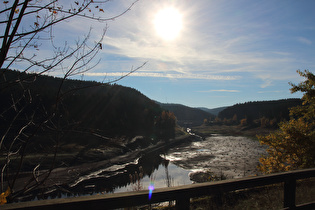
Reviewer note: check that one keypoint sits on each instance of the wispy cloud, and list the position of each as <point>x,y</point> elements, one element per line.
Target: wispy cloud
<point>221,90</point>
<point>304,40</point>
<point>273,91</point>
<point>267,83</point>
<point>165,75</point>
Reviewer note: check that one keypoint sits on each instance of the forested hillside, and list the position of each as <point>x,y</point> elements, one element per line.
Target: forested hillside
<point>187,116</point>
<point>86,110</point>
<point>275,111</point>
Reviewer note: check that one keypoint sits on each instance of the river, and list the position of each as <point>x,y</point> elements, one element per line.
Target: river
<point>230,156</point>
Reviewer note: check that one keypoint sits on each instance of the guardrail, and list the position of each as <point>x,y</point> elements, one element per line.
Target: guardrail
<point>180,194</point>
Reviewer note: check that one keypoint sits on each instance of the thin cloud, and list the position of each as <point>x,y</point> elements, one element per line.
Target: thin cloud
<point>221,90</point>
<point>275,91</point>
<point>304,40</point>
<point>266,83</point>
<point>164,75</point>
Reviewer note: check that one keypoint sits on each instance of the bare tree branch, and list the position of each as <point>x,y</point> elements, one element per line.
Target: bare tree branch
<point>29,25</point>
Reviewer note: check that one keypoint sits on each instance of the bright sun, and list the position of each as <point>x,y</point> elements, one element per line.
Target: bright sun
<point>168,23</point>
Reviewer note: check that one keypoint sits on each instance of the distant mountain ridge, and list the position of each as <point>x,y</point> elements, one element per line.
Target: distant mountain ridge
<point>187,116</point>
<point>273,109</point>
<point>214,111</point>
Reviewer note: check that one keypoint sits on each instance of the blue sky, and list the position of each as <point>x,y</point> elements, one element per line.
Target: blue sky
<point>227,51</point>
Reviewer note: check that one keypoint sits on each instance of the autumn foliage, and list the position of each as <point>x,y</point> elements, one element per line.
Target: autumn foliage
<point>293,145</point>
<point>165,125</point>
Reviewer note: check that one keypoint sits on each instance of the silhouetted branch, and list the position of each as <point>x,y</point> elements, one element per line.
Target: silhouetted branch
<point>23,117</point>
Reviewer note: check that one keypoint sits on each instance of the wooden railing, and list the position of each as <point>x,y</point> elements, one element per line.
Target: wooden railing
<point>180,194</point>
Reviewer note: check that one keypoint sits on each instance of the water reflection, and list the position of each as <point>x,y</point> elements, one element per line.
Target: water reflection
<point>164,176</point>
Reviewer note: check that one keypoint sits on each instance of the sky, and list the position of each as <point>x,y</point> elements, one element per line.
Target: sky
<point>219,53</point>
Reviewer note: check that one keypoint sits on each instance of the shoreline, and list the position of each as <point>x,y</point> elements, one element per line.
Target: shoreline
<point>233,130</point>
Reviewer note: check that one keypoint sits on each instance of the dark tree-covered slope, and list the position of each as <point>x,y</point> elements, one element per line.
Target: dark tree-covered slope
<point>277,109</point>
<point>86,109</point>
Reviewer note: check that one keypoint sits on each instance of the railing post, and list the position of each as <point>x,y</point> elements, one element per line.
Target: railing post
<point>183,203</point>
<point>289,192</point>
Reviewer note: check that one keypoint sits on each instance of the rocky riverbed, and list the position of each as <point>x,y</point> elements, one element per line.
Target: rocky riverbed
<point>217,155</point>
<point>230,156</point>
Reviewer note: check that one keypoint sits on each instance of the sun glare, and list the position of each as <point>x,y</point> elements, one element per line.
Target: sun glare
<point>168,23</point>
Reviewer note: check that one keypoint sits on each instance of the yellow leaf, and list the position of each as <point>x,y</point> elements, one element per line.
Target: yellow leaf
<point>4,195</point>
